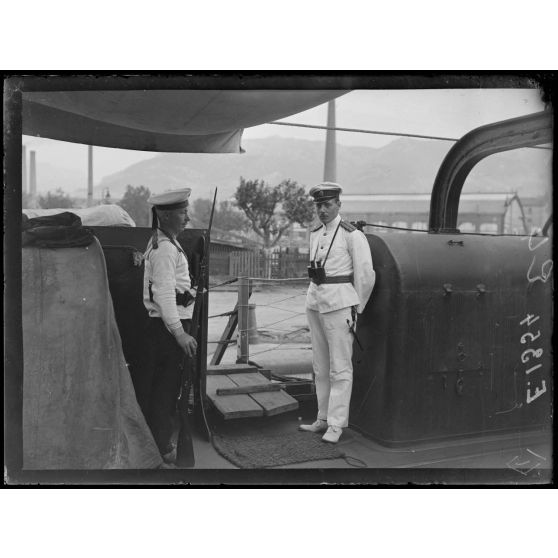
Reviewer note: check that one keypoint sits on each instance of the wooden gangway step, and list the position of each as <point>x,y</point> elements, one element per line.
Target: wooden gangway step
<point>239,391</point>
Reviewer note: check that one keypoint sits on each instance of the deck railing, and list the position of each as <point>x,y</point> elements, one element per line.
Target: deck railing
<point>274,265</point>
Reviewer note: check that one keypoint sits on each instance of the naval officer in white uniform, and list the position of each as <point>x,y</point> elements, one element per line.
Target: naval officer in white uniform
<point>342,279</point>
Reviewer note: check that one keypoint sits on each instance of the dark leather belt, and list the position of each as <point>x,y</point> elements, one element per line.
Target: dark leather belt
<point>335,279</point>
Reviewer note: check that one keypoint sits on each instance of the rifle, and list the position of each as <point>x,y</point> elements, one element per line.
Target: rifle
<point>192,373</point>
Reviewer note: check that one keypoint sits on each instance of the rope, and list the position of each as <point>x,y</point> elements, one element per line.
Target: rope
<point>285,334</point>
<point>230,313</point>
<point>377,132</point>
<point>390,227</point>
<point>224,283</point>
<point>425,231</point>
<point>272,323</point>
<point>362,131</point>
<point>303,293</point>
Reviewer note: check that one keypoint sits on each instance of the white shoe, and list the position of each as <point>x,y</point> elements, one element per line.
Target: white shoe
<point>333,434</point>
<point>318,426</point>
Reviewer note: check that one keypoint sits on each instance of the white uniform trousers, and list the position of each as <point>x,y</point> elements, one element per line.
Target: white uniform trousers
<point>332,349</point>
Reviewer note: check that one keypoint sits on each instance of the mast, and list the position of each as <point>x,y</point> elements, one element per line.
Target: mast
<point>330,163</point>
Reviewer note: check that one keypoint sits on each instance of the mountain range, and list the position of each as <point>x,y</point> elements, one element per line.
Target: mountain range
<point>402,166</point>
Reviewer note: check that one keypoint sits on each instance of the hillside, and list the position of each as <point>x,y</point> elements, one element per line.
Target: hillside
<point>403,166</point>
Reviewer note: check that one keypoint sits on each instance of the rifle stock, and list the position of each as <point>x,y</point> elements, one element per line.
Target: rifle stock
<point>192,370</point>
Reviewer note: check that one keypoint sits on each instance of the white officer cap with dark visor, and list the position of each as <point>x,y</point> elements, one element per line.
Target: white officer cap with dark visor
<point>325,191</point>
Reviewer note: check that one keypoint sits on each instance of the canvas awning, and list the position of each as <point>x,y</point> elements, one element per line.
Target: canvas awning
<point>185,121</point>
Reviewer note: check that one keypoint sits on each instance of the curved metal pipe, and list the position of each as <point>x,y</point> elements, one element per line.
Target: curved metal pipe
<point>524,131</point>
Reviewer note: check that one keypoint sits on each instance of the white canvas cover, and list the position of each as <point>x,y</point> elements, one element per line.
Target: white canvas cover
<point>109,215</point>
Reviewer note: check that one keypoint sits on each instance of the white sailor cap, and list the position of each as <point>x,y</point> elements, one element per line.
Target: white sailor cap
<point>171,199</point>
<point>325,191</point>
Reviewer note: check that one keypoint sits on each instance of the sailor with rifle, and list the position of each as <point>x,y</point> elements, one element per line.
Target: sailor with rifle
<point>341,282</point>
<point>168,297</point>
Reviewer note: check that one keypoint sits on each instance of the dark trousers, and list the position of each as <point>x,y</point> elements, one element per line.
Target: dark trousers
<point>158,381</point>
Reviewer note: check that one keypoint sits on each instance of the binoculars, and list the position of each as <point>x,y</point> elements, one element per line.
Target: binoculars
<point>316,272</point>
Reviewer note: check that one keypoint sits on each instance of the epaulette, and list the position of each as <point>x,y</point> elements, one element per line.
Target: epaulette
<point>347,226</point>
<point>317,228</point>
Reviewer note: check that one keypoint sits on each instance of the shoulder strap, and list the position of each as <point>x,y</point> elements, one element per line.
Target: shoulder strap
<point>172,241</point>
<point>347,226</point>
<point>166,238</point>
<point>331,243</point>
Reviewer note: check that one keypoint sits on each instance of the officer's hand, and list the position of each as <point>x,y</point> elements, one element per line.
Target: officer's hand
<point>187,343</point>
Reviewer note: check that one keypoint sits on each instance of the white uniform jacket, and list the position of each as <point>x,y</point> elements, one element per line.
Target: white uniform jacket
<point>349,255</point>
<point>167,269</point>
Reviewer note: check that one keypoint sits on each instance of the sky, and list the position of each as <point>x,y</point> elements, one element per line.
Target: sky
<point>449,112</point>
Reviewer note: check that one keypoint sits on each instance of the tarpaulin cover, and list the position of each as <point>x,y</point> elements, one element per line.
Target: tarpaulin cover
<point>79,405</point>
<point>184,121</point>
<point>63,230</point>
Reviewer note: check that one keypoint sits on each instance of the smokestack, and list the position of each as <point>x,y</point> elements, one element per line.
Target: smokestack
<point>330,164</point>
<point>32,174</point>
<point>23,170</point>
<point>89,175</point>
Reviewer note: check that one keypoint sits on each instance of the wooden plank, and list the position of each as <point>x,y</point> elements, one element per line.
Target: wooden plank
<point>225,369</point>
<point>250,389</point>
<point>231,406</point>
<point>273,403</point>
<point>250,378</point>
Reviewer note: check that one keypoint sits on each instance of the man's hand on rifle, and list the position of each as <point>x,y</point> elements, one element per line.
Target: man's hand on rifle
<point>187,343</point>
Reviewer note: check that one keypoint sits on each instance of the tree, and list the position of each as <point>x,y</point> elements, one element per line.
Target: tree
<point>199,212</point>
<point>134,201</point>
<point>55,200</point>
<point>272,210</point>
<point>226,216</point>
<point>229,218</point>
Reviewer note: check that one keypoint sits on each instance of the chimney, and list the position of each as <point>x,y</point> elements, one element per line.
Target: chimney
<point>32,174</point>
<point>89,175</point>
<point>23,170</point>
<point>330,164</point>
